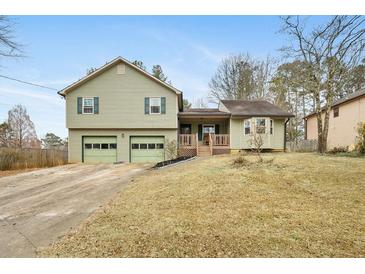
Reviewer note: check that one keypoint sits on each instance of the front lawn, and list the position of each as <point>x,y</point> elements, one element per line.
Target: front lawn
<point>299,205</point>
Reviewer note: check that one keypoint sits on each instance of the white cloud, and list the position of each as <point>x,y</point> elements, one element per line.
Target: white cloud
<point>13,94</point>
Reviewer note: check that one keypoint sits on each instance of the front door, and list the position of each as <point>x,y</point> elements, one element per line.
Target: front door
<point>206,130</point>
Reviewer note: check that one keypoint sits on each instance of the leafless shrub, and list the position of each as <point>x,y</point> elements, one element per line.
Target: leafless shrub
<point>256,144</point>
<point>171,149</point>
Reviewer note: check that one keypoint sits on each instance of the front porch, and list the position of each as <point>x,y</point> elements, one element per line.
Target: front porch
<point>189,145</point>
<point>204,135</point>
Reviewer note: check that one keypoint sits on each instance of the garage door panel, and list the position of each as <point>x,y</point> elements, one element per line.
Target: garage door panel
<point>100,149</point>
<point>147,149</point>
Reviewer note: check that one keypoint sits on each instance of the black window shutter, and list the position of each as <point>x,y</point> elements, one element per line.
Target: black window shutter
<point>200,132</point>
<point>217,129</point>
<point>96,105</point>
<point>79,105</point>
<point>163,105</point>
<point>147,105</point>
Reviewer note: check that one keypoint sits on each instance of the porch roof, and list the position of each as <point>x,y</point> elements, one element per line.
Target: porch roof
<point>203,112</point>
<point>254,108</point>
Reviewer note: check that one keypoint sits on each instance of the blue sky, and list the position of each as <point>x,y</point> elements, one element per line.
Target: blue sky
<point>59,49</point>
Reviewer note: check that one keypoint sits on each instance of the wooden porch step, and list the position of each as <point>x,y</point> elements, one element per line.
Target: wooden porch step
<point>204,151</point>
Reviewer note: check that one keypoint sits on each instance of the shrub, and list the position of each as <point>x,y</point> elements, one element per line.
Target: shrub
<point>336,150</point>
<point>240,161</point>
<point>171,149</point>
<point>360,139</point>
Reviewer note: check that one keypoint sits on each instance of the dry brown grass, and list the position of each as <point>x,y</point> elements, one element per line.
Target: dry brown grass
<point>300,205</point>
<point>16,158</point>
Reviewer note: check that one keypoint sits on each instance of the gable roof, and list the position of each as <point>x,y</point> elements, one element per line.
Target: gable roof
<point>349,97</point>
<point>248,108</point>
<point>110,64</point>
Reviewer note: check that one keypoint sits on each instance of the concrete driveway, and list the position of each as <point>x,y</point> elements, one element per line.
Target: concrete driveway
<point>38,207</point>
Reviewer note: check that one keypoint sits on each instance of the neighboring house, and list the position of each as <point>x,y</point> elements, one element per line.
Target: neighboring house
<point>122,113</point>
<point>344,118</point>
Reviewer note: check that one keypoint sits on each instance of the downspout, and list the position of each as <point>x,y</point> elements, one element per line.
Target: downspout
<point>285,134</point>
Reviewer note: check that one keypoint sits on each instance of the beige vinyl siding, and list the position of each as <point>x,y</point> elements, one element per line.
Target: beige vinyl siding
<point>277,139</point>
<point>241,141</point>
<point>123,145</point>
<point>342,129</point>
<point>121,102</point>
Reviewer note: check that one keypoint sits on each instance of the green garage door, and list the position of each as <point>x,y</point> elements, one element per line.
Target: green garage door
<point>100,149</point>
<point>147,149</point>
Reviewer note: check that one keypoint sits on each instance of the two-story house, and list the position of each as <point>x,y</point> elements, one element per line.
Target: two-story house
<point>344,119</point>
<point>122,113</point>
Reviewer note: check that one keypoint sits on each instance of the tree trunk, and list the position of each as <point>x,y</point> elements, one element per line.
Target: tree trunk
<point>325,128</point>
<point>319,122</point>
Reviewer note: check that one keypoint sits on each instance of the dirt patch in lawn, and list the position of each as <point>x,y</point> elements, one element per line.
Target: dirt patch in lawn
<point>300,205</point>
<point>14,172</point>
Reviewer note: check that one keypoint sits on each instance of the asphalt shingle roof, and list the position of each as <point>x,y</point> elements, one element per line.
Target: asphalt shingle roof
<point>254,108</point>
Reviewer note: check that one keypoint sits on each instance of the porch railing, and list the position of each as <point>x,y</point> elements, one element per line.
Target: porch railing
<point>220,139</point>
<point>187,140</point>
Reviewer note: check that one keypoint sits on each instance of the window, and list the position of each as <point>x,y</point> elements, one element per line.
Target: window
<point>185,129</point>
<point>142,146</point>
<point>336,111</point>
<point>96,146</point>
<point>271,126</point>
<point>88,146</point>
<point>151,146</point>
<point>88,105</point>
<point>135,146</point>
<point>209,129</point>
<point>113,146</point>
<point>159,146</point>
<point>260,125</point>
<point>247,126</point>
<point>155,105</point>
<point>104,146</point>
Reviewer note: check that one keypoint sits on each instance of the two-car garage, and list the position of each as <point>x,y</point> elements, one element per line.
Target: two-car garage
<point>104,149</point>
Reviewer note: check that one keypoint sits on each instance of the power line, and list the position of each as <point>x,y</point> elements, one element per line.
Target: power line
<point>28,83</point>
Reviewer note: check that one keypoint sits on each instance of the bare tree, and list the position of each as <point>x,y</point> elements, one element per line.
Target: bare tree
<point>8,46</point>
<point>6,135</point>
<point>328,52</point>
<point>201,102</point>
<point>288,87</point>
<point>241,77</point>
<point>256,143</point>
<point>22,127</point>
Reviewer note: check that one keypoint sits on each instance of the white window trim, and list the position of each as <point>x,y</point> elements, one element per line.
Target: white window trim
<point>83,105</point>
<point>207,125</point>
<point>271,121</point>
<point>244,126</point>
<point>155,113</point>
